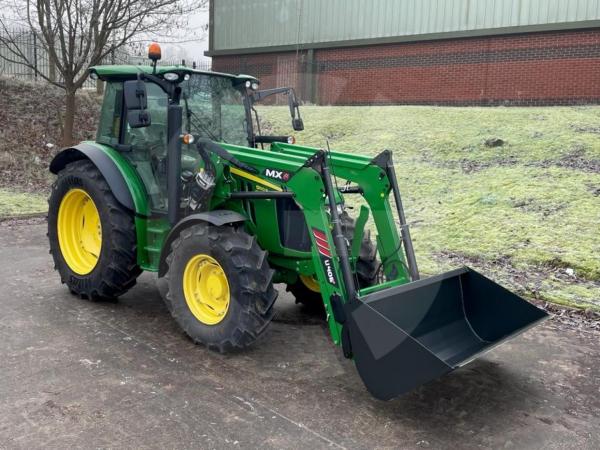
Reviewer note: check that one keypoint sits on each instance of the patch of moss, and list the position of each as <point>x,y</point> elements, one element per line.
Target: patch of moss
<point>16,203</point>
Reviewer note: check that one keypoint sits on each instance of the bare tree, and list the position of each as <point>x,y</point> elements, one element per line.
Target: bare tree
<point>77,34</point>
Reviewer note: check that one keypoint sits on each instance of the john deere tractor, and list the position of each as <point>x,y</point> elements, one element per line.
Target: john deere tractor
<point>180,181</point>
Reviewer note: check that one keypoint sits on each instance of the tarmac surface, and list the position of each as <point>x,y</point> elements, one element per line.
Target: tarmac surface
<point>75,373</point>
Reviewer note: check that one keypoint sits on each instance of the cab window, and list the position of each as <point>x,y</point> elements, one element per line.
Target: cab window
<point>109,128</point>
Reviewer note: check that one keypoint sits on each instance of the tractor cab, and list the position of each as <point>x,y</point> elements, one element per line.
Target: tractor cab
<point>205,105</point>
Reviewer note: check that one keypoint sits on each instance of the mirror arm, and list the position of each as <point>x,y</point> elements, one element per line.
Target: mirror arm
<point>259,95</point>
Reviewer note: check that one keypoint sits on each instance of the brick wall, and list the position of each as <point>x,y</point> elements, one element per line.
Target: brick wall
<point>524,69</point>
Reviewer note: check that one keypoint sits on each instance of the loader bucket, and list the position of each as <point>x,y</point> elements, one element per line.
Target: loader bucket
<point>408,335</point>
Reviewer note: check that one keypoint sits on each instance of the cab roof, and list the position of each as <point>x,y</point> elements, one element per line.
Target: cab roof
<point>124,72</point>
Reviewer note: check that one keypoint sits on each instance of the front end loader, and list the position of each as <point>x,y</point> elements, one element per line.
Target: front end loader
<point>180,181</point>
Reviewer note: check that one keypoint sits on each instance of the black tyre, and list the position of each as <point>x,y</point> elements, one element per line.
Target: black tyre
<point>92,237</point>
<point>306,290</point>
<point>219,286</point>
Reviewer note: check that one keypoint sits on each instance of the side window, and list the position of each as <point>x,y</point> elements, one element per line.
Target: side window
<point>110,116</point>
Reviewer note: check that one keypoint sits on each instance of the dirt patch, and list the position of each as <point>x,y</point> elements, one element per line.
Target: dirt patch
<point>472,166</point>
<point>586,129</point>
<point>575,159</point>
<point>468,165</point>
<point>532,205</point>
<point>32,117</point>
<point>595,190</point>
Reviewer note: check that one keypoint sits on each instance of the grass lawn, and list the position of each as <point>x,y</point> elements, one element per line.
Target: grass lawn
<point>16,203</point>
<point>526,213</point>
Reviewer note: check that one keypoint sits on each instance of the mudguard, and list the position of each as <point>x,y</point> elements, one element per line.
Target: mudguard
<point>218,217</point>
<point>105,165</point>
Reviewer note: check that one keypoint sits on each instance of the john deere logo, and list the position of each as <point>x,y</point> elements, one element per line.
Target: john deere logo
<point>277,174</point>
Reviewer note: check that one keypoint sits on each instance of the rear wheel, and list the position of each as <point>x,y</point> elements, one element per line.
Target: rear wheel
<point>92,237</point>
<point>219,286</point>
<point>307,290</point>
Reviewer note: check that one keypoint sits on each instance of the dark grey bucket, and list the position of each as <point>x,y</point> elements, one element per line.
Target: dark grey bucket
<point>408,335</point>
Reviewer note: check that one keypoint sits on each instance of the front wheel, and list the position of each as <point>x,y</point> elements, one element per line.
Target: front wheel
<point>219,286</point>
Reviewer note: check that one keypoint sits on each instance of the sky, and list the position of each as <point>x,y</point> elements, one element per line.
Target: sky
<point>197,44</point>
<point>189,43</point>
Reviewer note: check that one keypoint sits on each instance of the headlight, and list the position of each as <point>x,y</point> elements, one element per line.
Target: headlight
<point>255,86</point>
<point>248,84</point>
<point>93,75</point>
<point>171,76</point>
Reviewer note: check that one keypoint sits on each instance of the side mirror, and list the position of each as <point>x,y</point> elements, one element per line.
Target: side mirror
<point>293,104</point>
<point>135,94</point>
<point>136,102</point>
<point>138,118</point>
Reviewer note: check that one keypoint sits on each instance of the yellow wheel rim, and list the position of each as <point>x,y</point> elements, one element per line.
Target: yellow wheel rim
<point>311,283</point>
<point>79,231</point>
<point>206,289</point>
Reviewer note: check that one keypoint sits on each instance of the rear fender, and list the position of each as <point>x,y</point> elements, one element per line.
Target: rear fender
<point>105,164</point>
<point>218,217</point>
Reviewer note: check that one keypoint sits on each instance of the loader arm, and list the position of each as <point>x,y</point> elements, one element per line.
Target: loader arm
<point>306,173</point>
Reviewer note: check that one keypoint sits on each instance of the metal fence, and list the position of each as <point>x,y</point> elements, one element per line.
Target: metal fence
<point>28,44</point>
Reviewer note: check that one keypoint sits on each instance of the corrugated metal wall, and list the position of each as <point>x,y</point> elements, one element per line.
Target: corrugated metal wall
<point>240,24</point>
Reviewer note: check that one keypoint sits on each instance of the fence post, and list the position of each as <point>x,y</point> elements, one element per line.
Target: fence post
<point>35,58</point>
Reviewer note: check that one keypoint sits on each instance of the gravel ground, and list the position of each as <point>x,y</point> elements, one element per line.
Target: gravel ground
<point>82,374</point>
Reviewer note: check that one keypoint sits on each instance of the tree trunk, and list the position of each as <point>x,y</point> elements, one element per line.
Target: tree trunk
<point>51,69</point>
<point>99,87</point>
<point>69,117</point>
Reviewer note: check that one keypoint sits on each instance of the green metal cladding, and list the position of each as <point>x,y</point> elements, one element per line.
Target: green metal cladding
<point>260,24</point>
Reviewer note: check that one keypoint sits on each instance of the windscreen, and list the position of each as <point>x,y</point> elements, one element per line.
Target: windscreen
<point>214,109</point>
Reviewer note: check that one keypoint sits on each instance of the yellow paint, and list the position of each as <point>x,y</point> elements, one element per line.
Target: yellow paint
<point>311,283</point>
<point>251,177</point>
<point>79,231</point>
<point>206,289</point>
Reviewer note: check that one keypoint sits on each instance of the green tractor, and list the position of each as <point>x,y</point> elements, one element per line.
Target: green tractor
<point>180,181</point>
